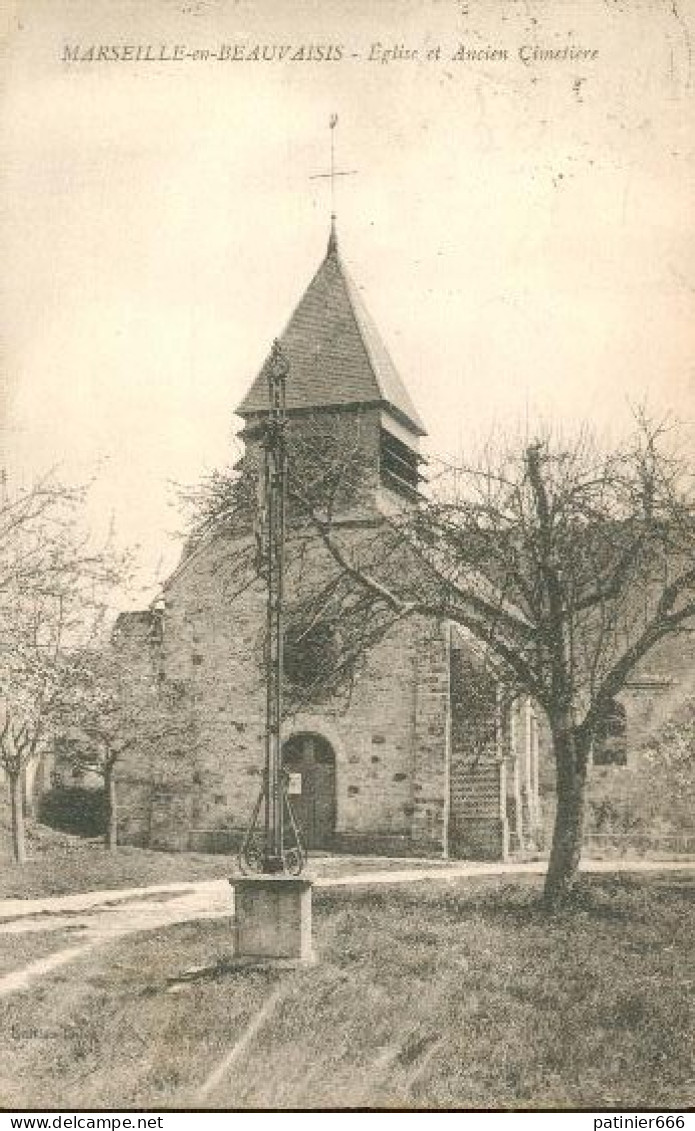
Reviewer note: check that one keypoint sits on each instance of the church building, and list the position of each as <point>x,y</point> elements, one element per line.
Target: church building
<point>425,756</point>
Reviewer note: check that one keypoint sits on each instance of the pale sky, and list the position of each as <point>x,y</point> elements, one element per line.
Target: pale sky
<point>522,234</point>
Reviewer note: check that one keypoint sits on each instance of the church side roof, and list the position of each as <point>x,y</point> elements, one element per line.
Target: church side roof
<point>336,355</point>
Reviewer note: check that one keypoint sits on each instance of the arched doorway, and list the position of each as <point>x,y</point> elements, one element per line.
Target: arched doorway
<point>310,762</point>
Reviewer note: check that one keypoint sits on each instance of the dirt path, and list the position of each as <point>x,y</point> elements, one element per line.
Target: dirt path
<point>98,920</point>
<point>97,917</point>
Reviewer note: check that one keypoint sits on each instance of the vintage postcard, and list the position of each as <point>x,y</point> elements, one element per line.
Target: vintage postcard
<point>347,529</point>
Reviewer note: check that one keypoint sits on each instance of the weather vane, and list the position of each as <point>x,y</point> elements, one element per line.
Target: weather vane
<point>332,123</point>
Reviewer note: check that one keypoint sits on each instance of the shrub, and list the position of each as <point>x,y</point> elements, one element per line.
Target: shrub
<point>74,809</point>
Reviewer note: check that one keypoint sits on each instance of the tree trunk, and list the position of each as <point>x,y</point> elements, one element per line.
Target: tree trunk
<point>111,838</point>
<point>571,757</point>
<point>18,835</point>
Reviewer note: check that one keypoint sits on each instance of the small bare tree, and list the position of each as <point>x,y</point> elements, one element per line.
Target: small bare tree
<point>107,706</point>
<point>54,594</point>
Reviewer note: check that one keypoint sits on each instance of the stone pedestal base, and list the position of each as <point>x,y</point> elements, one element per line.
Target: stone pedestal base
<point>273,918</point>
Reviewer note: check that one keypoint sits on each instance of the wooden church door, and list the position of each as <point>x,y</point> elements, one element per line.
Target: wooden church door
<point>310,763</point>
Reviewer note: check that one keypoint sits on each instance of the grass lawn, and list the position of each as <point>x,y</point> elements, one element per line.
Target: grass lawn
<point>449,994</point>
<point>59,864</point>
<point>20,949</point>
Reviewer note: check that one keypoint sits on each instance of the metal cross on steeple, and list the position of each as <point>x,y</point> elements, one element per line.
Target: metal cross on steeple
<point>332,123</point>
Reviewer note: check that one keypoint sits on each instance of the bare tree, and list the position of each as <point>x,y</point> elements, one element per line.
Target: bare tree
<point>54,596</point>
<point>568,564</point>
<point>332,622</point>
<point>107,706</point>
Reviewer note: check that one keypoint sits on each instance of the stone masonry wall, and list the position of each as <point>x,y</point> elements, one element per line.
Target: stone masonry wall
<point>432,738</point>
<point>389,742</point>
<point>642,805</point>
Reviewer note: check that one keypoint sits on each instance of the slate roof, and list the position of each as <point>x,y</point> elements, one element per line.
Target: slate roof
<point>335,353</point>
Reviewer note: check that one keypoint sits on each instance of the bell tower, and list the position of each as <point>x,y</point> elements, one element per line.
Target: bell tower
<point>341,381</point>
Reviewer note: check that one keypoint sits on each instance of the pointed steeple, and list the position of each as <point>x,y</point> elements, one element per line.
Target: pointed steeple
<point>333,238</point>
<point>335,353</point>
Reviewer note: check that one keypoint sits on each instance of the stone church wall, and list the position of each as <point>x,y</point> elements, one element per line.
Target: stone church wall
<point>645,804</point>
<point>389,740</point>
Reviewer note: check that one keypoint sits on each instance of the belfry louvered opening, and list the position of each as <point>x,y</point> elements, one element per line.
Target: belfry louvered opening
<point>399,465</point>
